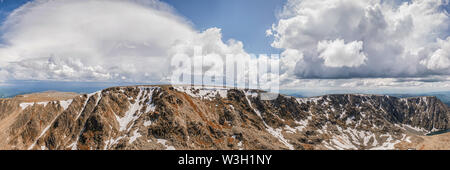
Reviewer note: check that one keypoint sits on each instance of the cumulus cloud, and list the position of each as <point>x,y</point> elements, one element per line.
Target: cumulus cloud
<point>103,40</point>
<point>312,87</point>
<point>206,53</point>
<point>374,38</point>
<point>439,59</point>
<point>134,41</point>
<point>116,40</point>
<point>338,54</point>
<point>89,40</point>
<point>224,62</point>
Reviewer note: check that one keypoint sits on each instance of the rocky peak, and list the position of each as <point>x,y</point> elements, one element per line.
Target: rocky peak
<point>185,117</point>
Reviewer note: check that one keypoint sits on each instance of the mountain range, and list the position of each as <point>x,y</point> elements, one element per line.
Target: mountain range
<point>165,117</point>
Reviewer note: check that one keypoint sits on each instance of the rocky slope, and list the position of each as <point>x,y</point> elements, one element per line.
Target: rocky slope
<point>184,117</point>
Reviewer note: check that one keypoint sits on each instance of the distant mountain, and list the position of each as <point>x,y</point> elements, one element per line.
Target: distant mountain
<point>185,117</point>
<point>443,96</point>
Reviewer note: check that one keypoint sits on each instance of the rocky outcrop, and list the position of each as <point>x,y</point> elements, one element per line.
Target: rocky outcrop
<point>184,117</point>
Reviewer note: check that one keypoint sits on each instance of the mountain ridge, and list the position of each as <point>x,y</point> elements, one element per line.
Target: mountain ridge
<point>184,117</point>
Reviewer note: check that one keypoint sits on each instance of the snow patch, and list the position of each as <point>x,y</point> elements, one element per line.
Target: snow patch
<point>43,132</point>
<point>349,121</point>
<point>85,103</point>
<point>388,145</point>
<point>251,93</point>
<point>129,115</point>
<point>134,111</point>
<point>274,132</point>
<point>289,129</point>
<point>65,103</point>
<point>207,93</point>
<point>163,142</point>
<point>42,103</point>
<point>147,123</point>
<point>310,99</point>
<point>417,129</point>
<point>150,106</point>
<point>136,135</point>
<point>25,105</point>
<point>112,142</point>
<point>302,124</point>
<point>73,146</point>
<point>240,145</point>
<point>408,139</point>
<point>277,133</point>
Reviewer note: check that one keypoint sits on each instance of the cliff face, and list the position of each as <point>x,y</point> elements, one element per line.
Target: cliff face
<point>182,117</point>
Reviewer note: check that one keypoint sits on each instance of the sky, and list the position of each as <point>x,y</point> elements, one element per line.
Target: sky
<point>7,6</point>
<point>245,20</point>
<point>327,45</point>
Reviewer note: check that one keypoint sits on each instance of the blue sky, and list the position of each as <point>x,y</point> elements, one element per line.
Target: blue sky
<point>6,6</point>
<point>355,44</point>
<point>243,20</point>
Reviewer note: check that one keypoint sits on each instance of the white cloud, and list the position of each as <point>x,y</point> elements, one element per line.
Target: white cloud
<point>384,38</point>
<point>211,57</point>
<point>103,40</point>
<point>369,85</point>
<point>109,40</point>
<point>207,52</point>
<point>211,42</point>
<point>133,40</point>
<point>91,40</point>
<point>338,54</point>
<point>439,59</point>
<point>269,32</point>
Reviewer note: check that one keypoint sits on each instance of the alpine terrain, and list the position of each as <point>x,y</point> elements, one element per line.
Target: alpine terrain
<point>194,117</point>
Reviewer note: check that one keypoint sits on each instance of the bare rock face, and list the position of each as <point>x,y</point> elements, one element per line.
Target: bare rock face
<point>185,117</point>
